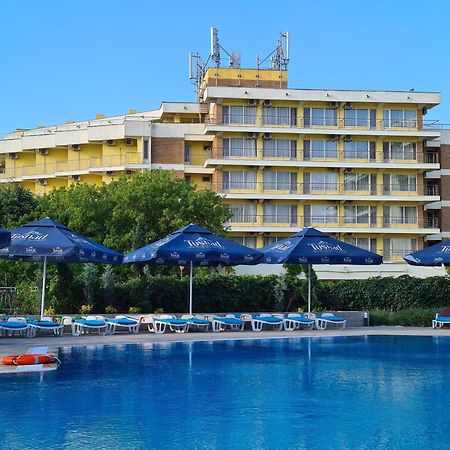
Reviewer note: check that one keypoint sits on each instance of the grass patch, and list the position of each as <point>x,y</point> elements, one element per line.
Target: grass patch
<point>418,317</point>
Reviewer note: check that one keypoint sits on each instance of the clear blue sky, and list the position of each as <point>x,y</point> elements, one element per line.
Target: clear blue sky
<point>73,59</point>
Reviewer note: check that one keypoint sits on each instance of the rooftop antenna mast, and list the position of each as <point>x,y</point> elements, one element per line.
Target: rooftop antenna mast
<point>197,70</point>
<point>279,57</point>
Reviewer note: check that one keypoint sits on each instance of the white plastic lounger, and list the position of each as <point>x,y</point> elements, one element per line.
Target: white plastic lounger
<point>88,325</point>
<point>440,321</point>
<point>159,324</point>
<point>16,325</point>
<point>196,323</point>
<point>260,320</point>
<point>231,322</point>
<point>295,321</point>
<point>123,322</point>
<point>46,325</point>
<point>326,319</point>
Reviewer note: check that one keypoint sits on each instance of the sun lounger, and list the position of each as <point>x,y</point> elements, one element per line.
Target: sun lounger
<point>16,325</point>
<point>88,325</point>
<point>441,319</point>
<point>260,320</point>
<point>159,324</point>
<point>46,325</point>
<point>295,321</point>
<point>230,322</point>
<point>196,323</point>
<point>123,322</point>
<point>326,319</point>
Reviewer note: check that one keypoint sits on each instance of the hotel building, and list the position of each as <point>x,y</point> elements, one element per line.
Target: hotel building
<point>361,165</point>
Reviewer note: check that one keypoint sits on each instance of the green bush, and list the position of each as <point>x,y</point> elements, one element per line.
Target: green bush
<point>417,317</point>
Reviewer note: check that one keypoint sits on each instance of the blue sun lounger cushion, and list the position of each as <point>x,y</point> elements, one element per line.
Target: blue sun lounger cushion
<point>44,323</point>
<point>90,322</point>
<point>124,321</point>
<point>269,319</point>
<point>300,318</point>
<point>333,318</point>
<point>13,325</point>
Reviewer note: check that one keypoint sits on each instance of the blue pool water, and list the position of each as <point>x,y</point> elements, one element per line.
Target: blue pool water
<point>299,393</point>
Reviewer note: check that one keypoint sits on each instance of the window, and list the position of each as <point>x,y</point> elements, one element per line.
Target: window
<point>187,153</point>
<point>359,150</point>
<point>396,215</point>
<point>356,214</point>
<point>403,183</point>
<point>399,247</point>
<point>399,118</point>
<point>320,214</point>
<point>358,182</point>
<point>279,115</point>
<point>244,213</point>
<point>320,181</point>
<point>279,148</point>
<point>239,147</point>
<point>320,149</point>
<point>240,115</point>
<point>399,150</point>
<point>364,243</point>
<point>268,240</point>
<point>145,150</point>
<point>239,180</point>
<point>280,181</point>
<point>249,241</point>
<point>320,117</point>
<point>356,117</point>
<point>274,213</point>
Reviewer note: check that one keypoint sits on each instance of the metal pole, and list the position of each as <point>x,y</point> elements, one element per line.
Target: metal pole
<point>309,289</point>
<point>44,273</point>
<point>190,287</point>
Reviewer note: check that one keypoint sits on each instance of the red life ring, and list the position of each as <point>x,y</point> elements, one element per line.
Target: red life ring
<point>25,360</point>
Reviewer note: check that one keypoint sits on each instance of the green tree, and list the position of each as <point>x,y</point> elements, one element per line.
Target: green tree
<point>17,205</point>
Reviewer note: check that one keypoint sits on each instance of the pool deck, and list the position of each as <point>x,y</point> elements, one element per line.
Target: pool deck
<point>18,345</point>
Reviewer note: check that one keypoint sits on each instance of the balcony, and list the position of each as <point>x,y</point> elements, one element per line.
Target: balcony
<point>316,189</point>
<point>432,158</point>
<point>353,126</point>
<point>345,224</point>
<point>432,189</point>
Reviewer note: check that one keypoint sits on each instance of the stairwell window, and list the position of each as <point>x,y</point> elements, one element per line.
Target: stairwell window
<point>320,117</point>
<point>239,115</point>
<point>274,213</point>
<point>324,149</point>
<point>358,214</point>
<point>187,154</point>
<point>364,243</point>
<point>320,214</point>
<point>239,147</point>
<point>239,180</point>
<point>279,148</point>
<point>243,213</point>
<point>399,118</point>
<point>399,151</point>
<point>279,115</point>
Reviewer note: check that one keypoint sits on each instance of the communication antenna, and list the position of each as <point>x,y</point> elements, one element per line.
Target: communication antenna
<point>196,71</point>
<point>279,57</point>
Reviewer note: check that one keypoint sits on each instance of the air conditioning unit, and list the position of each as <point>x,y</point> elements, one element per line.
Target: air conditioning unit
<point>14,156</point>
<point>43,151</point>
<point>75,147</point>
<point>129,142</point>
<point>251,135</point>
<point>76,178</point>
<point>267,103</point>
<point>333,137</point>
<point>110,173</point>
<point>43,182</point>
<point>334,105</point>
<point>128,172</point>
<point>252,102</point>
<point>347,138</point>
<point>333,169</point>
<point>267,136</point>
<point>348,105</point>
<point>207,148</point>
<point>110,142</point>
<point>348,170</point>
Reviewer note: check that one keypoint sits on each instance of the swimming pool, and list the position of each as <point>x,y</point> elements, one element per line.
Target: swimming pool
<point>341,392</point>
